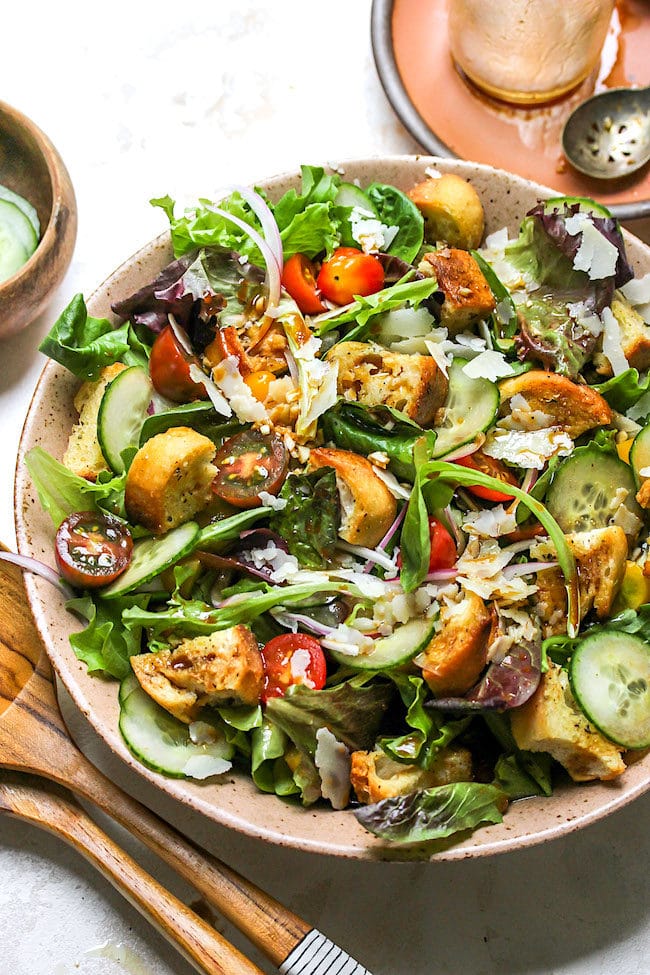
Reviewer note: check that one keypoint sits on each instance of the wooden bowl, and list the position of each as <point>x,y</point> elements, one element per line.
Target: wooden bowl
<point>32,167</point>
<point>234,801</point>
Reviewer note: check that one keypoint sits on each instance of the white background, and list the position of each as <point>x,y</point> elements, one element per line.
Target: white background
<point>181,98</point>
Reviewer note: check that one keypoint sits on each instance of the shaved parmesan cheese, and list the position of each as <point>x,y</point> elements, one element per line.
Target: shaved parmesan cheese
<point>522,417</point>
<point>596,255</point>
<point>203,766</point>
<point>370,233</point>
<point>332,759</point>
<point>219,401</point>
<point>586,318</point>
<point>637,291</point>
<point>490,365</point>
<point>528,448</point>
<point>270,501</point>
<point>490,522</point>
<point>396,489</point>
<point>229,380</point>
<point>348,640</point>
<point>612,347</point>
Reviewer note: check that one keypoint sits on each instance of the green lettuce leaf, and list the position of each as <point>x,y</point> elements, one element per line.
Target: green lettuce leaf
<point>518,773</point>
<point>625,390</point>
<point>106,645</point>
<point>431,730</point>
<point>269,770</point>
<point>434,814</point>
<point>85,345</point>
<point>364,309</point>
<point>61,492</point>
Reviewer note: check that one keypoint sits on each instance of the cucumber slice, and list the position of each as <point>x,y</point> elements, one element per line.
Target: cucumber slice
<point>162,742</point>
<point>18,225</point>
<point>24,205</point>
<point>640,455</point>
<point>122,412</point>
<point>349,195</point>
<point>610,679</point>
<point>151,556</point>
<point>128,684</point>
<point>581,495</point>
<point>391,651</point>
<point>471,408</point>
<point>12,253</point>
<point>586,205</point>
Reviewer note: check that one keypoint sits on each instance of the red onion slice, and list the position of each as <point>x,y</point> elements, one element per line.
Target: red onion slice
<point>39,569</point>
<point>526,568</point>
<point>272,269</point>
<point>261,209</point>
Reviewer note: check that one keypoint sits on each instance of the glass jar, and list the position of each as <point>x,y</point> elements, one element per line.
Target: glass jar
<point>527,51</point>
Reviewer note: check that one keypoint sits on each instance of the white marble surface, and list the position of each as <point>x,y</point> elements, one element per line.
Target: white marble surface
<point>181,98</point>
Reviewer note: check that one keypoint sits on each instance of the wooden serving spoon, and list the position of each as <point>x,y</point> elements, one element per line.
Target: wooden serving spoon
<point>34,739</point>
<point>25,798</point>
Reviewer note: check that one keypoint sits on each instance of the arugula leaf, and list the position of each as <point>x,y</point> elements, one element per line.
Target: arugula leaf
<point>85,345</point>
<point>310,520</point>
<point>365,308</point>
<point>356,427</point>
<point>106,645</point>
<point>61,492</point>
<point>434,814</point>
<point>227,529</point>
<point>415,540</point>
<point>396,210</point>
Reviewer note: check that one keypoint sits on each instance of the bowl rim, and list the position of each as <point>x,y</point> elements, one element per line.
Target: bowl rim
<point>617,796</point>
<point>58,178</point>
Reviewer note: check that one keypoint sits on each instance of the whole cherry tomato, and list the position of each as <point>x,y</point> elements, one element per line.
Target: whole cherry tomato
<point>292,658</point>
<point>443,547</point>
<point>169,366</point>
<point>478,461</point>
<point>299,279</point>
<point>92,549</point>
<point>350,272</point>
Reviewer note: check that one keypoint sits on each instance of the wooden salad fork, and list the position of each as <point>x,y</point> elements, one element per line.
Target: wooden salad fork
<point>34,739</point>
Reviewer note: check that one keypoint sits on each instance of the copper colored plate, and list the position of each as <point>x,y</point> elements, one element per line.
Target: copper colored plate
<point>450,117</point>
<point>235,802</point>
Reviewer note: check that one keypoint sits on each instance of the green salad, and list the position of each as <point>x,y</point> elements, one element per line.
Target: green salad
<point>357,500</point>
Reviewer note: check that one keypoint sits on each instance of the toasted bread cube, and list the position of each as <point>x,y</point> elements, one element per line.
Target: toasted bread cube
<point>573,407</point>
<point>601,558</point>
<point>375,776</point>
<point>452,211</point>
<point>169,479</point>
<point>468,297</point>
<point>224,668</point>
<point>453,660</point>
<point>372,375</point>
<point>635,334</point>
<point>552,722</point>
<point>368,508</point>
<point>83,455</point>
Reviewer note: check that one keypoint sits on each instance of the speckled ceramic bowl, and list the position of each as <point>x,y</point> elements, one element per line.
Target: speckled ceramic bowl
<point>31,166</point>
<point>235,802</point>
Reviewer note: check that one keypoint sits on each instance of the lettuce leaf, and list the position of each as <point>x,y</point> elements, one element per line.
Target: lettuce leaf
<point>430,732</point>
<point>625,390</point>
<point>309,523</point>
<point>269,770</point>
<point>85,345</point>
<point>395,209</point>
<point>106,645</point>
<point>434,814</point>
<point>61,492</point>
<point>362,311</point>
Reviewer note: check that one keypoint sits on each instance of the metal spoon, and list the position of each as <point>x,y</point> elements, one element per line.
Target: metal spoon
<point>608,136</point>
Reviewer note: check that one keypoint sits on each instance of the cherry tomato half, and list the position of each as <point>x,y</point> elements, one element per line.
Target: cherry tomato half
<point>249,463</point>
<point>169,366</point>
<point>299,279</point>
<point>443,547</point>
<point>292,658</point>
<point>92,549</point>
<point>350,272</point>
<point>478,461</point>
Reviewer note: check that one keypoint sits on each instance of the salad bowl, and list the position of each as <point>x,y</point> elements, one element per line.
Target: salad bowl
<point>234,801</point>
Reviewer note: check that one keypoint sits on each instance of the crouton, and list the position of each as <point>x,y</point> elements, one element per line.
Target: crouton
<point>468,297</point>
<point>375,776</point>
<point>368,508</point>
<point>224,668</point>
<point>635,334</point>
<point>551,721</point>
<point>453,660</point>
<point>573,407</point>
<point>601,559</point>
<point>169,479</point>
<point>83,455</point>
<point>372,375</point>
<point>452,211</point>
<point>643,494</point>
